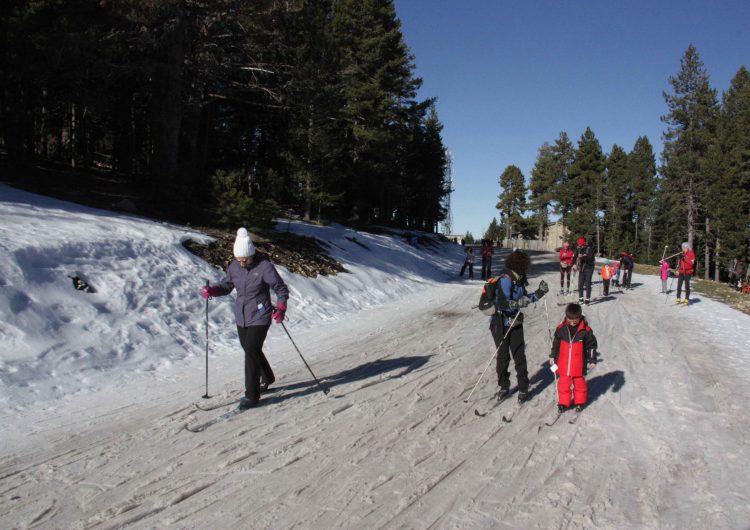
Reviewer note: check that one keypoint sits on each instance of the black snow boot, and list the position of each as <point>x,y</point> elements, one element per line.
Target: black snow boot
<point>561,408</point>
<point>523,397</point>
<point>247,403</point>
<point>503,393</point>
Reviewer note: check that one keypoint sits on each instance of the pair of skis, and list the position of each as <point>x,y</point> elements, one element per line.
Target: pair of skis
<point>507,418</point>
<point>558,415</point>
<point>231,413</point>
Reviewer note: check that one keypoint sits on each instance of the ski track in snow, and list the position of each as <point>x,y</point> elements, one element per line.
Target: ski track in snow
<point>661,444</point>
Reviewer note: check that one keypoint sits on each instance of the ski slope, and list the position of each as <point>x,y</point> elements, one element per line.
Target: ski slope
<point>95,438</point>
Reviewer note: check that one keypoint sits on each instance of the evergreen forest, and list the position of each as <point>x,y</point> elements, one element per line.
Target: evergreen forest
<point>625,200</point>
<point>227,112</point>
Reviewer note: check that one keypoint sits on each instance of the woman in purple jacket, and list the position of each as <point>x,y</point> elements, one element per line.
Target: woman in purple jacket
<point>252,276</point>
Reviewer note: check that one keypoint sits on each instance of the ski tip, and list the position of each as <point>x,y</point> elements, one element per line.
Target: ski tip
<point>192,429</point>
<point>476,411</point>
<point>507,420</point>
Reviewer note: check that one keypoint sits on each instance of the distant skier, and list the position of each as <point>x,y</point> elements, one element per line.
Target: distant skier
<point>664,273</point>
<point>627,262</point>
<point>606,273</point>
<point>686,270</point>
<point>486,259</point>
<point>584,261</point>
<point>573,349</point>
<point>736,272</point>
<point>510,297</point>
<point>566,265</point>
<point>252,276</point>
<point>468,262</point>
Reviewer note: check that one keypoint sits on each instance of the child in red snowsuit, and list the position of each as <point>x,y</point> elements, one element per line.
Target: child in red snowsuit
<point>573,348</point>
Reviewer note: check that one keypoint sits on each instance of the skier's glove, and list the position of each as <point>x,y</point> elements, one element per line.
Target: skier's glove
<point>542,290</point>
<point>279,312</point>
<point>210,291</point>
<point>520,303</point>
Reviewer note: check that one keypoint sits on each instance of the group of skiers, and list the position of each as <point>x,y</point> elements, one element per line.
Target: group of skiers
<point>486,251</point>
<point>583,260</point>
<point>573,347</point>
<point>574,344</point>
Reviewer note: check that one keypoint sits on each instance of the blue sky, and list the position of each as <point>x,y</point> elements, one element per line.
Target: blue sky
<point>511,75</point>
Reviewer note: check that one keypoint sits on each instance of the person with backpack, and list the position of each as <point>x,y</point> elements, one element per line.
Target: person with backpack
<point>573,350</point>
<point>252,276</point>
<point>584,260</point>
<point>627,263</point>
<point>507,297</point>
<point>566,265</point>
<point>686,269</point>
<point>606,273</point>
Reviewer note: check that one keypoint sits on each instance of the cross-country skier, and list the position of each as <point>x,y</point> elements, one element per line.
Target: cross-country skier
<point>584,261</point>
<point>510,297</point>
<point>566,265</point>
<point>573,349</point>
<point>664,273</point>
<point>686,269</point>
<point>252,276</point>
<point>606,273</point>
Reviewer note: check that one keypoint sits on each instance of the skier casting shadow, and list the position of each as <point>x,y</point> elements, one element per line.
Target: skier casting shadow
<point>601,384</point>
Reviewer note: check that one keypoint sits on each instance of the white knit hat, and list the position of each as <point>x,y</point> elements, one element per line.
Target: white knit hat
<point>243,247</point>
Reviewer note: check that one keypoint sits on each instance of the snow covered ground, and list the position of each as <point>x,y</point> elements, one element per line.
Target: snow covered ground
<point>97,387</point>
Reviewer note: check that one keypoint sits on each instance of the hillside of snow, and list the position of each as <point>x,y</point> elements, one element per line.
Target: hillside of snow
<point>98,387</point>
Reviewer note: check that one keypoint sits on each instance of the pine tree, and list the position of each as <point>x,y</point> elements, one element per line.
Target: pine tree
<point>642,178</point>
<point>617,221</point>
<point>541,185</point>
<point>512,198</point>
<point>563,155</point>
<point>728,160</point>
<point>378,88</point>
<point>494,231</point>
<point>585,187</point>
<point>690,131</point>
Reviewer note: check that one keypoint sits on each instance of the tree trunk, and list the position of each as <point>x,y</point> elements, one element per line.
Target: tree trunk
<point>707,254</point>
<point>717,272</point>
<point>166,112</point>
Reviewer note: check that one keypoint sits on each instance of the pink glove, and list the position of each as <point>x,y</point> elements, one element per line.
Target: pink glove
<point>209,291</point>
<point>279,312</point>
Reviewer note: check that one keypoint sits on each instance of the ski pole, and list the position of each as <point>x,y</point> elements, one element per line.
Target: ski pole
<point>325,390</point>
<point>492,358</point>
<point>551,343</point>
<point>206,396</point>
<point>666,295</point>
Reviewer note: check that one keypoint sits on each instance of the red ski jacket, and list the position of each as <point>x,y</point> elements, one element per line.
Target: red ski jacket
<point>573,348</point>
<point>687,262</point>
<point>566,256</point>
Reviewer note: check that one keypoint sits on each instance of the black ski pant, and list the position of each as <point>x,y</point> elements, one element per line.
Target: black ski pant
<point>680,279</point>
<point>256,364</point>
<point>628,277</point>
<point>513,345</point>
<point>486,268</point>
<point>584,281</point>
<point>565,273</point>
<point>471,269</point>
<point>605,287</point>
